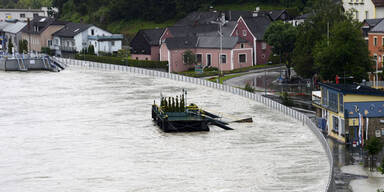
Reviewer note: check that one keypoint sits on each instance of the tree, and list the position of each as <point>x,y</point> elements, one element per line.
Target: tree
<point>91,50</point>
<point>282,37</point>
<point>324,14</point>
<point>23,46</point>
<point>189,58</point>
<point>10,46</point>
<point>345,53</point>
<point>373,146</point>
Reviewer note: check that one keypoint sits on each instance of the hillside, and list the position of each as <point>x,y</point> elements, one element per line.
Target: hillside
<point>129,16</point>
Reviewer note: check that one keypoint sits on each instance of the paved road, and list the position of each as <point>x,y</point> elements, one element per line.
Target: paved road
<point>254,76</point>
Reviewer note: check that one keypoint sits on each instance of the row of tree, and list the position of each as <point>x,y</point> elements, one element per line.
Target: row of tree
<point>330,43</point>
<point>173,104</point>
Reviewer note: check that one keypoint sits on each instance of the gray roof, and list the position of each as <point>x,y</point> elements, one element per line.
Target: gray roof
<point>15,27</point>
<point>208,42</point>
<point>188,42</point>
<point>42,23</point>
<point>304,16</point>
<point>153,35</point>
<point>378,28</point>
<point>235,15</point>
<point>3,25</point>
<point>214,42</point>
<point>198,17</point>
<point>181,31</point>
<point>258,25</point>
<point>72,29</point>
<point>373,22</point>
<point>274,14</point>
<point>227,30</point>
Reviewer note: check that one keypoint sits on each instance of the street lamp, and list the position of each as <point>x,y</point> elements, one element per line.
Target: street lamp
<point>221,22</point>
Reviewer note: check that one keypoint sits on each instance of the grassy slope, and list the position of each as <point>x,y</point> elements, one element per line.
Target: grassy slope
<point>130,28</point>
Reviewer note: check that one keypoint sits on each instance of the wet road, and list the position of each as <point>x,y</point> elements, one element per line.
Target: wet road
<point>92,131</point>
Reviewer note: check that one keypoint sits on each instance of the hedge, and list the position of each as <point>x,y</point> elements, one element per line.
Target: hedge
<point>124,61</point>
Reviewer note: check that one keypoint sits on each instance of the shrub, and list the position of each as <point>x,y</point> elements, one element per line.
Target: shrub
<point>123,61</point>
<point>47,51</point>
<point>286,100</point>
<point>249,88</point>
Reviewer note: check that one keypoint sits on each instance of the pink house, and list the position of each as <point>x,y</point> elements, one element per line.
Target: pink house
<point>252,29</point>
<point>236,52</point>
<point>146,44</point>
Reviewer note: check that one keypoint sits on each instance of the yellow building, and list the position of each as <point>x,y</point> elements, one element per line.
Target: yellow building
<point>350,113</point>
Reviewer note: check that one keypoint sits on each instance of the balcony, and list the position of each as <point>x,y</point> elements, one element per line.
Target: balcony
<point>64,48</point>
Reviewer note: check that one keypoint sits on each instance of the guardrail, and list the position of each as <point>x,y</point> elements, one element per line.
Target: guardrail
<point>253,96</point>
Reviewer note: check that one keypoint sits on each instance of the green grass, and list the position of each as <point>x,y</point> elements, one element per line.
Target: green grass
<point>130,28</point>
<point>247,6</point>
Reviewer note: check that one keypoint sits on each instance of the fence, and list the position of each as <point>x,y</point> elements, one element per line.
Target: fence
<point>253,96</point>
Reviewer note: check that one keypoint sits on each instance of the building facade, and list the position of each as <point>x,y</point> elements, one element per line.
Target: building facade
<point>365,9</point>
<point>235,53</point>
<point>351,113</point>
<point>22,14</point>
<point>75,37</point>
<point>38,33</point>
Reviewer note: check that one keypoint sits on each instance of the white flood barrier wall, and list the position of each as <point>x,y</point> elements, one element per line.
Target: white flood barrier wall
<point>253,96</point>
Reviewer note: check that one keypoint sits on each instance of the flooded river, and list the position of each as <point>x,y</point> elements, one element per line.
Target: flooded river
<point>87,130</point>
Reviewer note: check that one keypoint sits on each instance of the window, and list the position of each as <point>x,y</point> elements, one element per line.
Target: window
<point>56,42</point>
<point>22,15</point>
<point>237,32</point>
<point>73,43</point>
<point>92,32</point>
<point>146,58</point>
<point>341,103</point>
<point>335,124</point>
<point>35,15</point>
<point>185,59</point>
<point>357,15</point>
<point>382,41</point>
<point>49,42</point>
<point>137,58</point>
<point>324,96</point>
<point>244,32</point>
<point>263,45</point>
<point>209,59</point>
<point>333,100</point>
<point>374,41</point>
<point>366,14</point>
<point>199,58</point>
<point>242,58</point>
<point>113,43</point>
<point>223,58</point>
<point>242,45</point>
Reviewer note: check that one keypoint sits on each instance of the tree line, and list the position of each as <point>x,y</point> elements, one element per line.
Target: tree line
<point>103,11</point>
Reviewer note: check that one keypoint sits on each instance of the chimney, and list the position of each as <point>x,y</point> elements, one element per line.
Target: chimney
<point>256,12</point>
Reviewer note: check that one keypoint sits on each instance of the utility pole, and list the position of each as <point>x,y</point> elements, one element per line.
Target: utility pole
<point>221,23</point>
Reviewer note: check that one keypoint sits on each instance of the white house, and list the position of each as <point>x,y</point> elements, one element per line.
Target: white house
<point>75,37</point>
<point>365,9</point>
<point>23,14</point>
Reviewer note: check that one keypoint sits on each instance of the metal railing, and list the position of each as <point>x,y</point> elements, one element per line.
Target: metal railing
<point>237,91</point>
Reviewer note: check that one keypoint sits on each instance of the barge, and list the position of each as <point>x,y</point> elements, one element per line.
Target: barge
<point>173,116</point>
<point>27,62</point>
